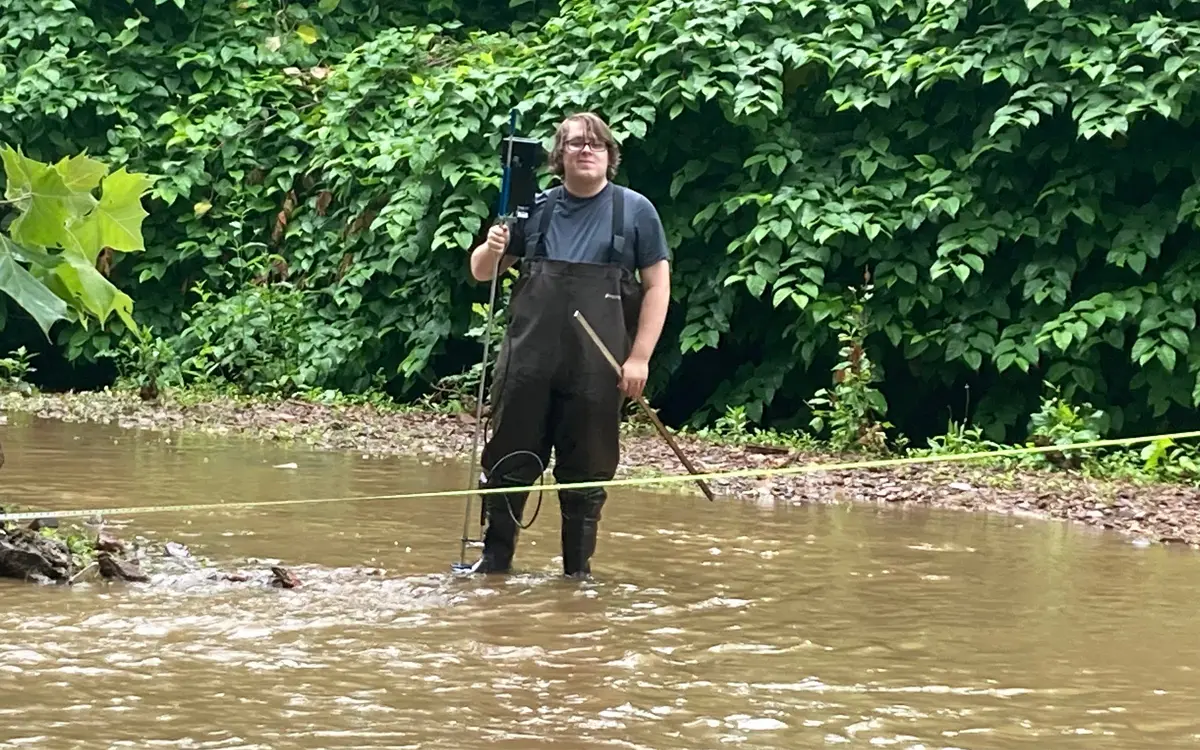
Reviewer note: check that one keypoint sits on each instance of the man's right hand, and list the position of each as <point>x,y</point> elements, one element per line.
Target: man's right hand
<point>497,238</point>
<point>489,255</point>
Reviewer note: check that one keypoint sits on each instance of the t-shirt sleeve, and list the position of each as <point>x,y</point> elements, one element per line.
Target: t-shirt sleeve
<point>651,244</point>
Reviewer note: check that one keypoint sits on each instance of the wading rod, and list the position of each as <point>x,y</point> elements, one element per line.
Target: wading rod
<point>502,212</point>
<point>662,429</point>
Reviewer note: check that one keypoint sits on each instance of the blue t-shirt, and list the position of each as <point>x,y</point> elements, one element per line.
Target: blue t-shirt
<point>581,229</point>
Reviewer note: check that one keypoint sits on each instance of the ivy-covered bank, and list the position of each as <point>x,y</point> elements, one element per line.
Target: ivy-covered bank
<point>1007,186</point>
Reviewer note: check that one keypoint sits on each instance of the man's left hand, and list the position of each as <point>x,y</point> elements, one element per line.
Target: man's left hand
<point>634,373</point>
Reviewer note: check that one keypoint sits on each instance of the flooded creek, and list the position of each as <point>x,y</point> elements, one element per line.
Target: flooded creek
<point>708,625</point>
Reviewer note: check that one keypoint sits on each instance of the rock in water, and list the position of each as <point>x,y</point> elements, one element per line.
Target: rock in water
<point>27,555</point>
<point>106,542</point>
<point>283,578</point>
<point>122,570</point>
<point>177,550</point>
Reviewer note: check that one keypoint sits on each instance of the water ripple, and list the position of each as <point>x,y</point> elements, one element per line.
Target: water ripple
<point>709,625</point>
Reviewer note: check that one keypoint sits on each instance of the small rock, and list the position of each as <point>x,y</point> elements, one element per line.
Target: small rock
<point>106,542</point>
<point>175,549</point>
<point>123,570</point>
<point>961,486</point>
<point>284,578</point>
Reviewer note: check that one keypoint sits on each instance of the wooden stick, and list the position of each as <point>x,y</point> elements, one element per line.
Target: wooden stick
<point>662,429</point>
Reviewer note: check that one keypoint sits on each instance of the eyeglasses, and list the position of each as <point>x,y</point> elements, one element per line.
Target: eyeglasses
<point>576,145</point>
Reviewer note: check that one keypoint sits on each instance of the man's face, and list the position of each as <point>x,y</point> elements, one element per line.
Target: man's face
<point>584,154</point>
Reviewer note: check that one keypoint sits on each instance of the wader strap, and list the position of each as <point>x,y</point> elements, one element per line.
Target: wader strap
<point>616,253</point>
<point>539,248</point>
<point>618,226</point>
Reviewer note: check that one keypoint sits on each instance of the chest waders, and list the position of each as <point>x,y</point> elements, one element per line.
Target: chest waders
<point>554,390</point>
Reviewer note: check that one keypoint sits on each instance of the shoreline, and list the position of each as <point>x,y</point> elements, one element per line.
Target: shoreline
<point>1151,512</point>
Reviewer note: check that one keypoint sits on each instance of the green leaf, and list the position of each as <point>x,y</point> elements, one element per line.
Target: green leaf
<point>33,296</point>
<point>41,197</point>
<point>768,272</point>
<point>1166,356</point>
<point>1177,338</point>
<point>328,6</point>
<point>1062,338</point>
<point>116,221</point>
<point>92,291</point>
<point>81,173</point>
<point>307,34</point>
<point>756,285</point>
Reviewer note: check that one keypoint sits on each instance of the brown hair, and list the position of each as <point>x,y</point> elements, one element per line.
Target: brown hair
<point>594,126</point>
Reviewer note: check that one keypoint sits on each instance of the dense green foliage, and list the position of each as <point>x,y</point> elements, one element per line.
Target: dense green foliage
<point>1013,179</point>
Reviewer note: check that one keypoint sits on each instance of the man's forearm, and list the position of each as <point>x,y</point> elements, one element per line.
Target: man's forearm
<point>482,261</point>
<point>650,321</point>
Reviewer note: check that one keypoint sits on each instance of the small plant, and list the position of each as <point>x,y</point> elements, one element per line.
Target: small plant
<point>81,546</point>
<point>1166,460</point>
<point>15,368</point>
<point>734,429</point>
<point>958,439</point>
<point>375,396</point>
<point>1060,422</point>
<point>1163,460</point>
<point>145,362</point>
<point>733,425</point>
<point>852,411</point>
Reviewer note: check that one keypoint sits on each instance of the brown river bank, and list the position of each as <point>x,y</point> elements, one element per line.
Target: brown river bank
<point>1147,512</point>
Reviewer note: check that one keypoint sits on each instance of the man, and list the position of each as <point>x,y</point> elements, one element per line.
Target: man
<point>580,247</point>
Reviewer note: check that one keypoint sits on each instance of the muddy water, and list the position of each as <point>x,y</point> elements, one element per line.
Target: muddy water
<point>709,625</point>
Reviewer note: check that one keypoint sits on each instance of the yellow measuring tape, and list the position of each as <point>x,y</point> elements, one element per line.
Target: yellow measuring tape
<point>631,482</point>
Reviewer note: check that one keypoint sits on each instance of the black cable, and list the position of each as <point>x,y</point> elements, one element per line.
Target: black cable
<point>498,385</point>
<point>541,481</point>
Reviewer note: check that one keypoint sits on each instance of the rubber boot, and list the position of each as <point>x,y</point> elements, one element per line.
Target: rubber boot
<point>580,511</point>
<point>502,512</point>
